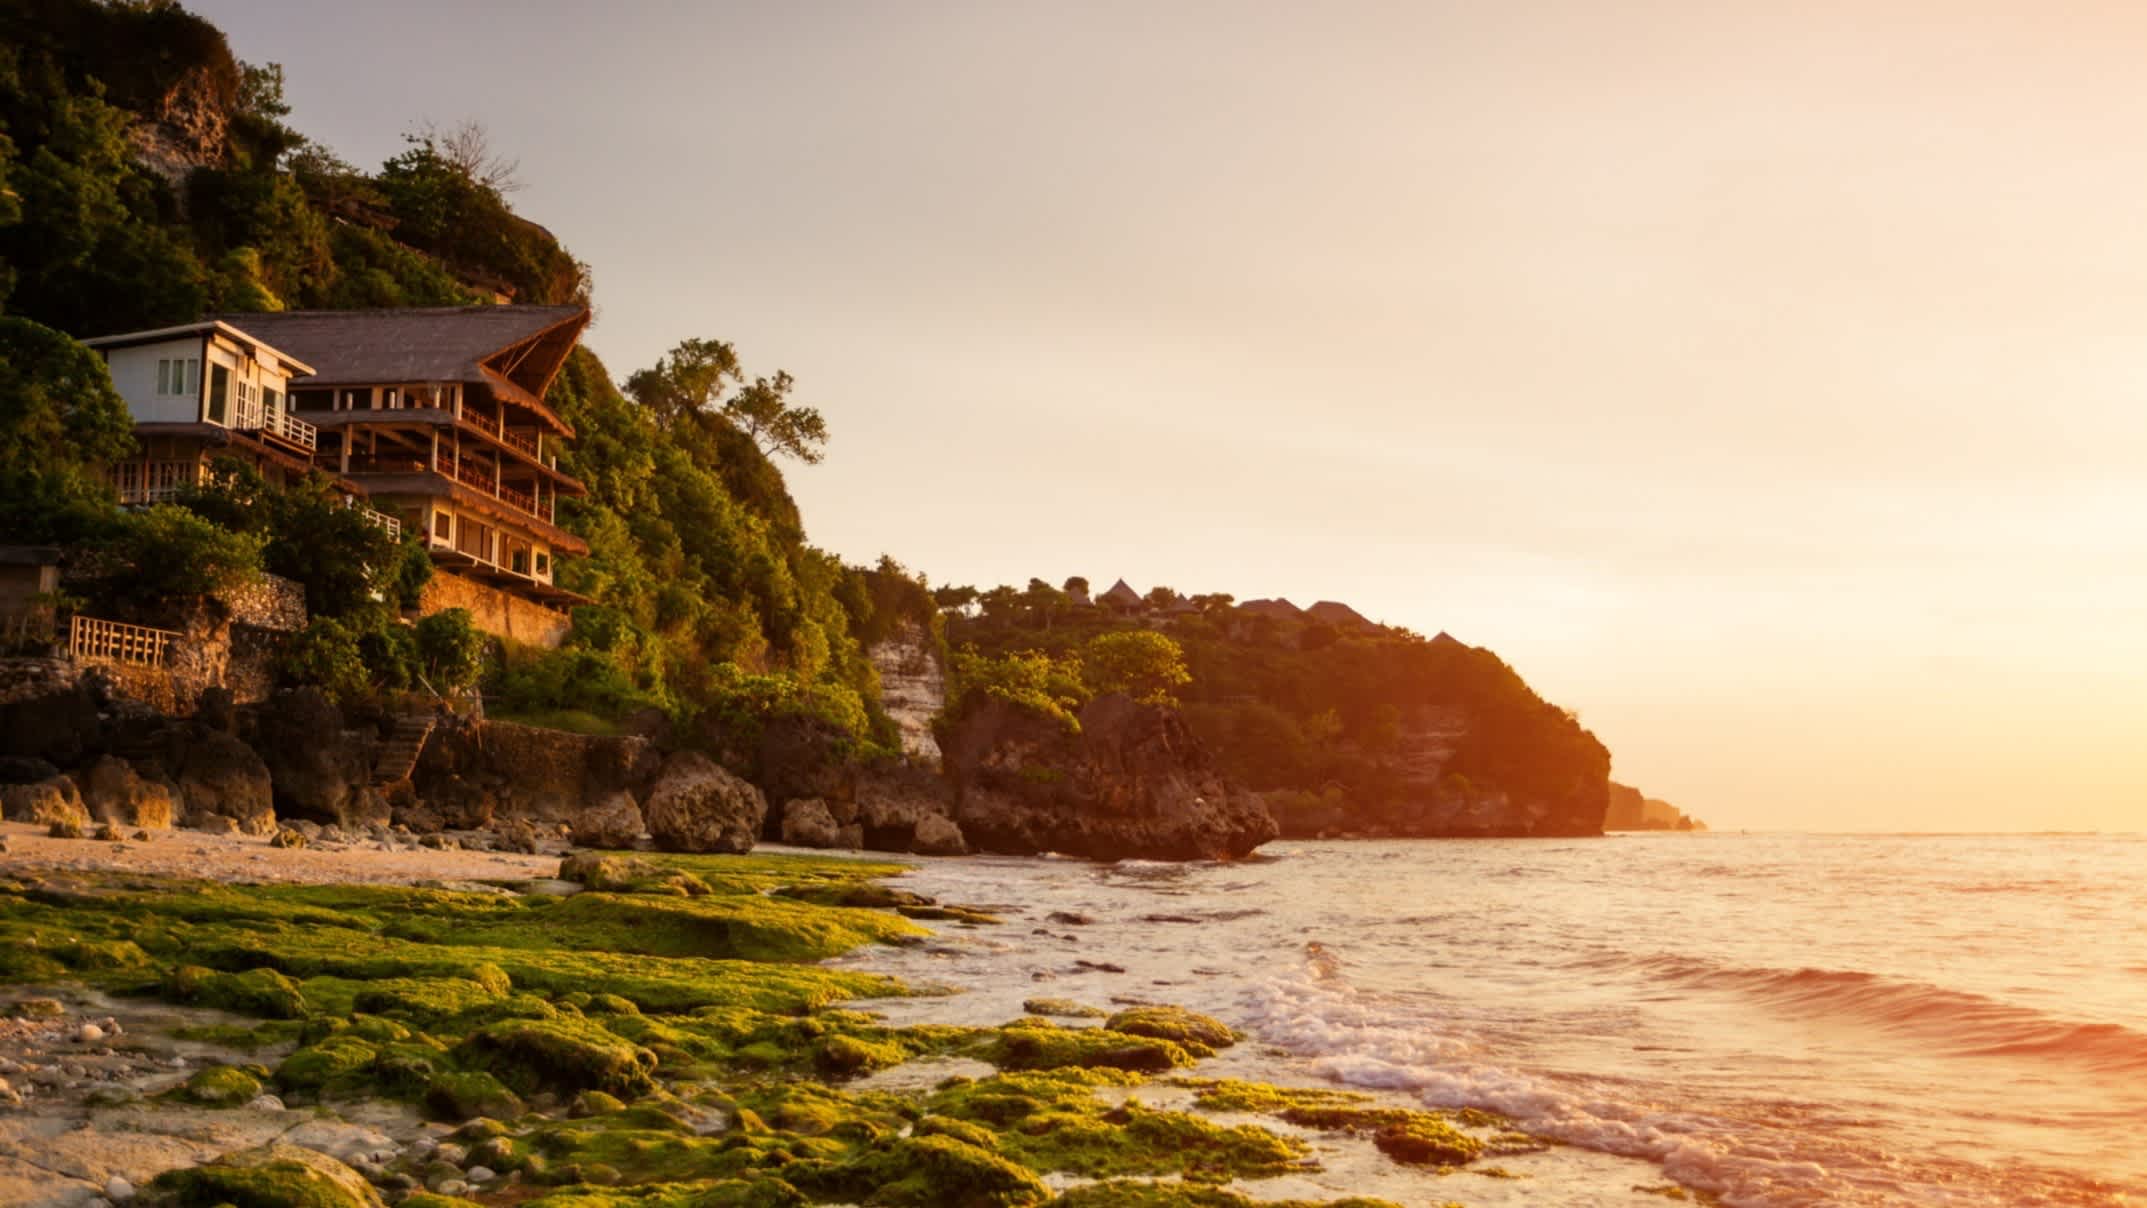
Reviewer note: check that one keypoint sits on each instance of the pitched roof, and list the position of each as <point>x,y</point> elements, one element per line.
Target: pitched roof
<point>1335,612</point>
<point>523,344</point>
<point>1279,608</point>
<point>1120,593</point>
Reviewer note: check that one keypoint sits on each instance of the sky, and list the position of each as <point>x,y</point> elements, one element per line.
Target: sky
<point>1764,382</point>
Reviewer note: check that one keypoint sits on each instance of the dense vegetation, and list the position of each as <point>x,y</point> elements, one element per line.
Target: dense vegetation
<point>1291,705</point>
<point>147,176</point>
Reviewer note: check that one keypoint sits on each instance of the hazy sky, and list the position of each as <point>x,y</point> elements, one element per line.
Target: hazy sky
<point>1763,381</point>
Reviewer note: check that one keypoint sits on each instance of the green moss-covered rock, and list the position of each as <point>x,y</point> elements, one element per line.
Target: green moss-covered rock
<point>847,1056</point>
<point>220,1086</point>
<point>272,1176</point>
<point>337,1065</point>
<point>1425,1140</point>
<point>1037,1044</point>
<point>464,1095</point>
<point>560,1055</point>
<point>1062,1008</point>
<point>1415,1137</point>
<point>1195,1033</point>
<point>924,1172</point>
<point>960,1130</point>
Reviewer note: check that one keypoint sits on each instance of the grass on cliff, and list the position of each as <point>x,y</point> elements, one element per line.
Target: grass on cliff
<point>666,1039</point>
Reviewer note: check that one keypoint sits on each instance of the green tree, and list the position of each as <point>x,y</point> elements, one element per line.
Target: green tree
<point>704,377</point>
<point>450,649</point>
<point>166,553</point>
<point>61,422</point>
<point>1143,664</point>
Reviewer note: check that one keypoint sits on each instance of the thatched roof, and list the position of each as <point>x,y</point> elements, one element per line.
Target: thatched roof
<point>521,345</point>
<point>1338,614</point>
<point>1280,609</point>
<point>1121,595</point>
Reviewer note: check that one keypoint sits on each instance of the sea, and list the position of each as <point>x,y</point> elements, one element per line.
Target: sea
<point>1742,1019</point>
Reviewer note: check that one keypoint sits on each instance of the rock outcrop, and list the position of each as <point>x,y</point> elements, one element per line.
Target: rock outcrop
<point>807,822</point>
<point>471,772</point>
<point>913,686</point>
<point>317,769</point>
<point>218,774</point>
<point>904,808</point>
<point>611,820</point>
<point>116,793</point>
<point>696,806</point>
<point>1133,783</point>
<point>1632,810</point>
<point>48,802</point>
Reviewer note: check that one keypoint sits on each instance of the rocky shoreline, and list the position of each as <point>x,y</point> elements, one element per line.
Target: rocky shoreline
<point>438,1027</point>
<point>78,755</point>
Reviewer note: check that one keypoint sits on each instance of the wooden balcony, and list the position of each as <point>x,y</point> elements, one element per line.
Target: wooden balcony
<point>469,473</point>
<point>275,422</point>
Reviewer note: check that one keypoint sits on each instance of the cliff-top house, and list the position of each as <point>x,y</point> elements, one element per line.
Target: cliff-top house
<point>434,416</point>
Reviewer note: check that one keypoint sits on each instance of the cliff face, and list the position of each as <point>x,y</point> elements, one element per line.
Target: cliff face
<point>1631,810</point>
<point>1132,784</point>
<point>913,687</point>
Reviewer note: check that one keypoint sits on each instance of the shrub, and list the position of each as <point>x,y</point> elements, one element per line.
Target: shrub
<point>450,649</point>
<point>1141,663</point>
<point>166,552</point>
<point>1029,678</point>
<point>325,653</point>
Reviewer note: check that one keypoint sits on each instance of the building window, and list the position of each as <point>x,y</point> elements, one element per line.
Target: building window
<point>271,400</point>
<point>443,526</point>
<point>520,561</point>
<point>544,565</point>
<point>313,400</point>
<point>178,376</point>
<point>219,395</point>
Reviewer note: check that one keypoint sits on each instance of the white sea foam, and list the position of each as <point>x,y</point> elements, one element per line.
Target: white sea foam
<point>1826,1029</point>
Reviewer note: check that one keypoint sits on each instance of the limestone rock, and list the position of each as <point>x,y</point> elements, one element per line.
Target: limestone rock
<point>116,793</point>
<point>904,808</point>
<point>937,835</point>
<point>807,823</point>
<point>697,806</point>
<point>1132,783</point>
<point>611,820</point>
<point>44,803</point>
<point>218,774</point>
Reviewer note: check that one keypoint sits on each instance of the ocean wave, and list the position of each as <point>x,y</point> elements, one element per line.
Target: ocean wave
<point>1961,1023</point>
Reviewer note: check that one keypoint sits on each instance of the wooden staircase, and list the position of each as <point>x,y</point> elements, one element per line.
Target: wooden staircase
<point>398,756</point>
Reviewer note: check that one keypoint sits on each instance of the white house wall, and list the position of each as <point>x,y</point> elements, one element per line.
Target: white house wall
<point>134,375</point>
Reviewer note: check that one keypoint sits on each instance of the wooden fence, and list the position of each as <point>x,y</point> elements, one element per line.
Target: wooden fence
<point>117,642</point>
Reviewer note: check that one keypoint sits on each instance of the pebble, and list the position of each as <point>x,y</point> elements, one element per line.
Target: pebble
<point>451,1153</point>
<point>90,1034</point>
<point>264,1103</point>
<point>119,1190</point>
<point>9,1096</point>
<point>481,1174</point>
<point>451,1187</point>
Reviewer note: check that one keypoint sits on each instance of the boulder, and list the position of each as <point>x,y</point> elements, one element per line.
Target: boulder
<point>1131,783</point>
<point>807,822</point>
<point>55,800</point>
<point>116,793</point>
<point>315,767</point>
<point>610,820</point>
<point>270,1174</point>
<point>218,774</point>
<point>937,835</point>
<point>905,808</point>
<point>16,769</point>
<point>697,806</point>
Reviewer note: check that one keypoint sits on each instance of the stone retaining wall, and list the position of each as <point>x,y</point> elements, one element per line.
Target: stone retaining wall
<point>494,611</point>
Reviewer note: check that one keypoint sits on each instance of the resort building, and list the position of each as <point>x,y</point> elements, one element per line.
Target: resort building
<point>199,392</point>
<point>435,416</point>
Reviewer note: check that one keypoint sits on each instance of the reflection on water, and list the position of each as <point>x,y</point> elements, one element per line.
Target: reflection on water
<point>1780,1019</point>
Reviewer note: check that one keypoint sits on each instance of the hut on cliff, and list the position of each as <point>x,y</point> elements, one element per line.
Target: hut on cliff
<point>1339,615</point>
<point>1122,598</point>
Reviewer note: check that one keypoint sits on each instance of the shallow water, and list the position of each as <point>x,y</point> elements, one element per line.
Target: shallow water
<point>1783,1020</point>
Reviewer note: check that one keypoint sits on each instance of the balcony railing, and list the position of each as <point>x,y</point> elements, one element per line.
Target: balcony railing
<point>469,473</point>
<point>117,642</point>
<point>144,482</point>
<point>251,416</point>
<point>520,440</point>
<point>379,519</point>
